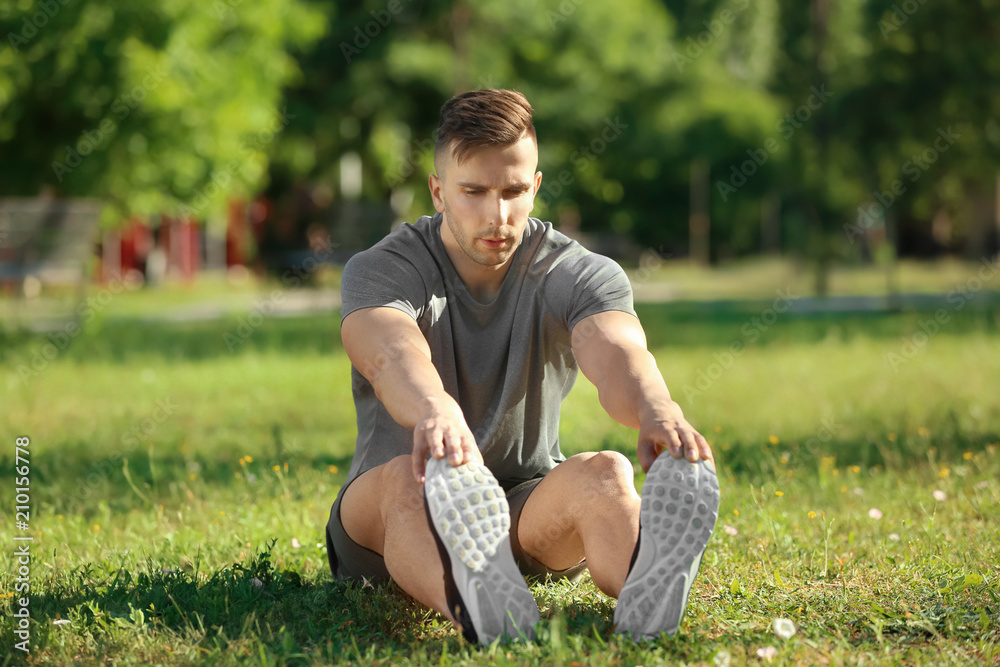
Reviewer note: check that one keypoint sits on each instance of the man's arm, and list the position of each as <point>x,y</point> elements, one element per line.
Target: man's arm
<point>610,348</point>
<point>387,347</point>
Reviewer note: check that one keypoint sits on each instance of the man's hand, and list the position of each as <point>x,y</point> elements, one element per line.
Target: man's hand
<point>442,432</point>
<point>388,349</point>
<point>668,430</point>
<point>611,350</point>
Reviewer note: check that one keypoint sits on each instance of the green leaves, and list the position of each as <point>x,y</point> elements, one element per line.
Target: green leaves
<point>166,109</point>
<point>962,582</point>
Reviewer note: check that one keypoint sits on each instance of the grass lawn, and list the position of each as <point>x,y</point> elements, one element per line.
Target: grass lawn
<point>179,492</point>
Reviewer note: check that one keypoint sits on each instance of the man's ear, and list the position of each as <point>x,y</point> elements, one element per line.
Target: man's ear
<point>535,189</point>
<point>435,185</point>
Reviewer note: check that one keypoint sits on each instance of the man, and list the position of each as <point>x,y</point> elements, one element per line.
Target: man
<point>465,331</point>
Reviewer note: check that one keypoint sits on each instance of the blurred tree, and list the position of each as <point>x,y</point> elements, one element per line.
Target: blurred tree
<point>925,114</point>
<point>166,106</point>
<point>619,115</point>
<point>710,127</point>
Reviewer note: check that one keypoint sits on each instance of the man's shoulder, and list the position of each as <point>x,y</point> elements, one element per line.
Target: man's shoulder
<point>408,246</point>
<point>555,251</point>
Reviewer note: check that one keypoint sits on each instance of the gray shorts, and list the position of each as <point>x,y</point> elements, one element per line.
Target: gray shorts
<point>350,560</point>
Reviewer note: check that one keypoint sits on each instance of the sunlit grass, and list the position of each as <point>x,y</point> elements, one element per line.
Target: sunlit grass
<point>235,458</point>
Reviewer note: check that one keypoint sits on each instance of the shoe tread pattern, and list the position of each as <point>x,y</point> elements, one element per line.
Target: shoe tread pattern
<point>471,517</point>
<point>679,508</point>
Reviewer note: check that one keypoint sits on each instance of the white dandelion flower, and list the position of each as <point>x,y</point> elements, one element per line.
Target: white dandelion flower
<point>722,659</point>
<point>767,653</point>
<point>784,628</point>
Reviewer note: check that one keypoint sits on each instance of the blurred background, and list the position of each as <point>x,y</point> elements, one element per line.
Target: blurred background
<point>805,196</point>
<point>228,143</point>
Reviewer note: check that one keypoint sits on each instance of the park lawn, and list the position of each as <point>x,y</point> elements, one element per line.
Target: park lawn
<point>859,466</point>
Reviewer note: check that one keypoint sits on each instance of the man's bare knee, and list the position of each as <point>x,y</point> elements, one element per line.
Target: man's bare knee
<point>400,493</point>
<point>609,472</point>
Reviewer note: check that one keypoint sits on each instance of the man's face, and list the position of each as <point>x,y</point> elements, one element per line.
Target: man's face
<point>486,200</point>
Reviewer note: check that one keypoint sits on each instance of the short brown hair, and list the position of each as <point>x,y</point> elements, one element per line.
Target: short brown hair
<point>482,118</point>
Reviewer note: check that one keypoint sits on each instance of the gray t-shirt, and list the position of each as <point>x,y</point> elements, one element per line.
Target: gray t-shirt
<point>508,363</point>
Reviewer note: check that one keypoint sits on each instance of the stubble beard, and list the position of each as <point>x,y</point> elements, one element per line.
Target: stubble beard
<point>468,244</point>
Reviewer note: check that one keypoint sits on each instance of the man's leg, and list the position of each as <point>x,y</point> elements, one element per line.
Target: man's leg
<point>383,510</point>
<point>586,507</point>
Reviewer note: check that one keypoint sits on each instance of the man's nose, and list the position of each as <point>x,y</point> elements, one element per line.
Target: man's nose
<point>499,208</point>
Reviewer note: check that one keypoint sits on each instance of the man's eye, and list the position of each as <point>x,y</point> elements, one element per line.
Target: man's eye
<point>473,192</point>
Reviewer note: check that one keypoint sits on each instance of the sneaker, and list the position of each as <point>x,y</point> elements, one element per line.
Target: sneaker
<point>680,504</point>
<point>470,518</point>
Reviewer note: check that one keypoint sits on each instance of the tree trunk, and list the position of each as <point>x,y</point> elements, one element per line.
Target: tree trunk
<point>699,223</point>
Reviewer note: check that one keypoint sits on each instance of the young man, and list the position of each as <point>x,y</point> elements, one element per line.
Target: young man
<point>465,331</point>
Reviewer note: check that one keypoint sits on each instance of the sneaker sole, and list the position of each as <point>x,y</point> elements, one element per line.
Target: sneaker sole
<point>680,505</point>
<point>468,511</point>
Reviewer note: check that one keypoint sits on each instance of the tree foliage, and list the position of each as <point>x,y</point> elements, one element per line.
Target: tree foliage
<point>814,111</point>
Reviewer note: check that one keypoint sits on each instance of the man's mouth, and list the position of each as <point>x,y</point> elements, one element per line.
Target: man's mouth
<point>494,243</point>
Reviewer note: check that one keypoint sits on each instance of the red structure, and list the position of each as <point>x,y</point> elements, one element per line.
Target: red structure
<point>179,239</point>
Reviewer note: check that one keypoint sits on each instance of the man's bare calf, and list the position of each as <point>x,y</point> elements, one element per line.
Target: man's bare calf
<point>383,510</point>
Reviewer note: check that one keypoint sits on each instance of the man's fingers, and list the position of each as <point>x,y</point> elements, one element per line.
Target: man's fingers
<point>706,452</point>
<point>454,446</point>
<point>437,449</point>
<point>470,450</point>
<point>674,444</point>
<point>691,449</point>
<point>419,457</point>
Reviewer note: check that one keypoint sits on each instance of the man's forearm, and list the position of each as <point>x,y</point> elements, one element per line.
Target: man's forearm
<point>635,390</point>
<point>409,386</point>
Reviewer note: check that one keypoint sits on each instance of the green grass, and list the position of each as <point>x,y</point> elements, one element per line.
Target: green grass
<point>152,561</point>
<point>759,277</point>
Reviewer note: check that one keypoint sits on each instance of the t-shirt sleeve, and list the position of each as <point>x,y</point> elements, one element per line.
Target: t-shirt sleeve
<point>381,277</point>
<point>597,284</point>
